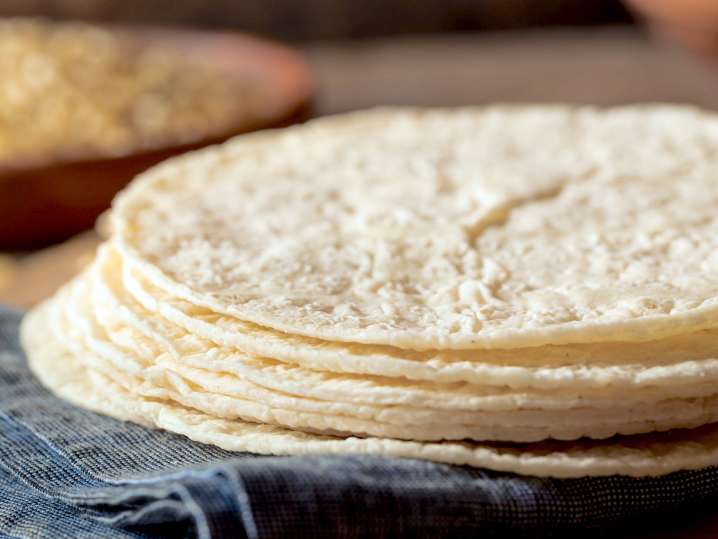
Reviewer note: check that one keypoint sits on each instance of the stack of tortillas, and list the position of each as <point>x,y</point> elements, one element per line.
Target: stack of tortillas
<point>529,289</point>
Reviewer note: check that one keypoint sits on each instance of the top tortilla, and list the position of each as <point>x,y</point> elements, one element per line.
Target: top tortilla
<point>467,228</point>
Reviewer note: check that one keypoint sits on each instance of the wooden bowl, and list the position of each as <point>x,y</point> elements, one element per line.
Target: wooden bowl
<point>46,200</point>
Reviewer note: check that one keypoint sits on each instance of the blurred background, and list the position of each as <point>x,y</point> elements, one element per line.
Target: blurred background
<point>342,55</point>
<point>306,20</point>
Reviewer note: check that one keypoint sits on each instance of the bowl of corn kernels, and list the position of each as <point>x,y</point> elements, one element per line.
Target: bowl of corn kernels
<point>84,108</point>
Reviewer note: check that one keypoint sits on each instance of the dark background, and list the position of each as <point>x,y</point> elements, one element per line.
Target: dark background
<point>302,20</point>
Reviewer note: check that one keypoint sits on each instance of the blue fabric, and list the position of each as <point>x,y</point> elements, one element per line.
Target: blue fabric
<point>66,472</point>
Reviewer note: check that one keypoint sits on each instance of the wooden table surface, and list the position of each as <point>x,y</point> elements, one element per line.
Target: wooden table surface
<point>598,66</point>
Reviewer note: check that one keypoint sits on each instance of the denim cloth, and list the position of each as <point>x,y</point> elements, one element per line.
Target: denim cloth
<point>67,472</point>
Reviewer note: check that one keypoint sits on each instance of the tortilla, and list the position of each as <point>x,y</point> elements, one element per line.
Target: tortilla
<point>499,227</point>
<point>642,455</point>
